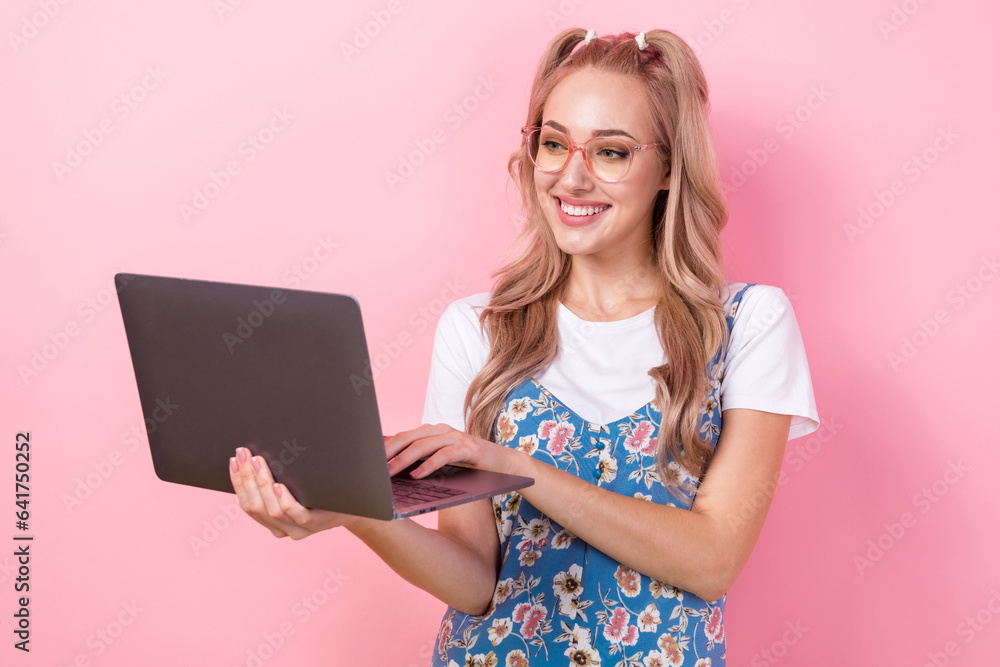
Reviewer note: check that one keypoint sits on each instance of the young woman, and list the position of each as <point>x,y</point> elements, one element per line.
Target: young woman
<point>649,398</point>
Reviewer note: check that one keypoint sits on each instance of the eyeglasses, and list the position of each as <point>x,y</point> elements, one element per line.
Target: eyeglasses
<point>607,158</point>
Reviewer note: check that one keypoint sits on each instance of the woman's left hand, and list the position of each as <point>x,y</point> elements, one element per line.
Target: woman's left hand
<point>440,444</point>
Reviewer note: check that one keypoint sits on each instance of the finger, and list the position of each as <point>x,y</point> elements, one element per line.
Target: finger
<point>437,451</point>
<point>417,450</point>
<point>237,475</point>
<point>249,493</point>
<point>282,507</point>
<point>308,521</point>
<point>265,487</point>
<point>296,512</point>
<point>444,455</point>
<point>268,501</point>
<point>397,443</point>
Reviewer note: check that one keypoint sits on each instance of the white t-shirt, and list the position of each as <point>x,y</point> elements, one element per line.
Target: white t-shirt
<point>601,370</point>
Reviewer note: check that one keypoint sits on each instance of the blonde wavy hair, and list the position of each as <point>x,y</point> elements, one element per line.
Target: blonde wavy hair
<point>687,219</point>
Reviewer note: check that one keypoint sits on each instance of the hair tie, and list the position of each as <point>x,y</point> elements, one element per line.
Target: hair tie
<point>591,34</point>
<point>641,40</point>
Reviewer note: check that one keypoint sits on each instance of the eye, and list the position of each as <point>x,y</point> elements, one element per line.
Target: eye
<point>553,145</point>
<point>612,154</point>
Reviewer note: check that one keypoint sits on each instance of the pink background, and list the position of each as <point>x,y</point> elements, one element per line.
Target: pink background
<point>819,110</point>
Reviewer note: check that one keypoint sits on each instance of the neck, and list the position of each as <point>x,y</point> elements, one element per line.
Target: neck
<point>606,291</point>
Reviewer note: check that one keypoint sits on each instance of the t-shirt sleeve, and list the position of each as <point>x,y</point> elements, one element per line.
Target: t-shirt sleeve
<point>458,355</point>
<point>766,367</point>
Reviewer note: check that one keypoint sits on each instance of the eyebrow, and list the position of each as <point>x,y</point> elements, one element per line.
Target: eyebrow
<point>596,133</point>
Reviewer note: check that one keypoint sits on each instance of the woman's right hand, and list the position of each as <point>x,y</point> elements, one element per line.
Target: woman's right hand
<point>457,562</point>
<point>272,505</point>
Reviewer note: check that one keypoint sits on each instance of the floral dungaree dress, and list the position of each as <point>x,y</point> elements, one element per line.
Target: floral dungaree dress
<point>558,601</point>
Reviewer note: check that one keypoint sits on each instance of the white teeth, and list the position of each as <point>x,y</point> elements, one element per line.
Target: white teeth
<point>581,210</point>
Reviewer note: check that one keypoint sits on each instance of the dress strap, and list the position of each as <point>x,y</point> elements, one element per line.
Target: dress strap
<point>723,353</point>
<point>736,303</point>
<point>730,317</point>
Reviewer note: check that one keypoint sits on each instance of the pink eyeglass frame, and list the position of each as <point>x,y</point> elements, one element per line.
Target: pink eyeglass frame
<point>528,130</point>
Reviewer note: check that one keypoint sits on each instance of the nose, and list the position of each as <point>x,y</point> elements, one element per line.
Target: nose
<point>576,175</point>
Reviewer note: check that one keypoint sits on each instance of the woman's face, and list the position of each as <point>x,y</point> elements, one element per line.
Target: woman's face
<point>621,220</point>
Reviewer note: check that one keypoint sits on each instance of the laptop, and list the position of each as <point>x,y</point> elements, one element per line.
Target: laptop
<point>285,373</point>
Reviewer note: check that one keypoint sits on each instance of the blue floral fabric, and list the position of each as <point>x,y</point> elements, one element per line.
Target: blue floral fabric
<point>559,601</point>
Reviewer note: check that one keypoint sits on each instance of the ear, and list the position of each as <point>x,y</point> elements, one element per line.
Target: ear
<point>665,183</point>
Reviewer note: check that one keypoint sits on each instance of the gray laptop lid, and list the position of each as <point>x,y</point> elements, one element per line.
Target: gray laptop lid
<point>283,372</point>
<point>215,363</point>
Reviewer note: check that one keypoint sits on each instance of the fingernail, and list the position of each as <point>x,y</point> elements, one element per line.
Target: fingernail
<point>242,453</point>
<point>277,489</point>
<point>416,473</point>
<point>233,465</point>
<point>256,463</point>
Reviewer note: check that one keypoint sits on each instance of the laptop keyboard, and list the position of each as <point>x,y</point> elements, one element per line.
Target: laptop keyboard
<point>415,491</point>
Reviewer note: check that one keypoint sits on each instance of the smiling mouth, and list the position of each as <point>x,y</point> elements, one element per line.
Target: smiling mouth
<point>580,211</point>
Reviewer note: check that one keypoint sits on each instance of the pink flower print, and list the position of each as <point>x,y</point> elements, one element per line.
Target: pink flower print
<point>445,634</point>
<point>503,590</point>
<point>517,658</point>
<point>650,448</point>
<point>533,621</point>
<point>654,659</point>
<point>528,555</point>
<point>519,408</point>
<point>631,636</point>
<point>658,588</point>
<point>649,618</point>
<point>528,444</point>
<point>505,427</point>
<point>714,629</point>
<point>562,539</point>
<point>530,617</point>
<point>480,660</point>
<point>558,433</point>
<point>672,651</point>
<point>638,439</point>
<point>537,532</point>
<point>499,630</point>
<point>617,626</point>
<point>629,581</point>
